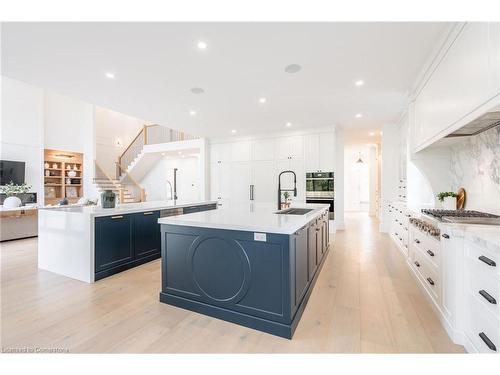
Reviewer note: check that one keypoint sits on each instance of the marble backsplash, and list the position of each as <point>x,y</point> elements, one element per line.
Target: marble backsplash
<point>475,166</point>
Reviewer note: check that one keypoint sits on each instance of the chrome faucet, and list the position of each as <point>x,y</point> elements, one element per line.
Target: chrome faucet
<point>280,190</point>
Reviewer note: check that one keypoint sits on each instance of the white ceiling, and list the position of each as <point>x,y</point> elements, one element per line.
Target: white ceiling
<point>156,64</point>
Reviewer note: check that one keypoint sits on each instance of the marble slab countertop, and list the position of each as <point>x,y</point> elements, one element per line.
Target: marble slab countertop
<point>128,208</point>
<point>485,236</point>
<point>253,217</point>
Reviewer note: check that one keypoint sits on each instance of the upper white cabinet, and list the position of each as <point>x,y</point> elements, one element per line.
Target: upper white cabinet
<point>290,147</point>
<point>467,77</point>
<point>319,151</point>
<point>220,152</point>
<point>241,151</point>
<point>263,149</point>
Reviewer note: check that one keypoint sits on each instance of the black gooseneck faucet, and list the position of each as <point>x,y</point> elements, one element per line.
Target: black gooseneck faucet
<point>281,190</point>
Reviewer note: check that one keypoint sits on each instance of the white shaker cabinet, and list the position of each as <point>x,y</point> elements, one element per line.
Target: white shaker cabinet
<point>241,151</point>
<point>319,152</point>
<point>265,181</point>
<point>220,181</point>
<point>326,152</point>
<point>240,181</point>
<point>264,149</point>
<point>290,147</point>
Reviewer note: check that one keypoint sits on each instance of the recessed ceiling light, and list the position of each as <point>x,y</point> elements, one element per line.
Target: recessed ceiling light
<point>202,45</point>
<point>192,113</point>
<point>180,153</point>
<point>359,82</point>
<point>162,154</point>
<point>359,115</point>
<point>288,124</point>
<point>110,75</point>
<point>292,68</point>
<point>262,100</point>
<point>233,131</point>
<point>372,134</point>
<point>197,90</point>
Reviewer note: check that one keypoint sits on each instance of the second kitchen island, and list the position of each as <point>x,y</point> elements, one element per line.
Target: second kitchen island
<point>245,264</point>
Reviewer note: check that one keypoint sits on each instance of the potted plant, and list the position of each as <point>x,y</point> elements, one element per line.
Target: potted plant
<point>449,200</point>
<point>11,191</point>
<point>286,195</point>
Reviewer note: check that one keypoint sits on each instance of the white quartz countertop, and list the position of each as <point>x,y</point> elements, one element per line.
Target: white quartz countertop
<point>254,217</point>
<point>127,208</point>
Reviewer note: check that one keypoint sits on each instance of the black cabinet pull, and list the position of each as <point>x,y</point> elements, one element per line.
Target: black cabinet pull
<point>488,261</point>
<point>417,241</point>
<point>445,235</point>
<point>487,341</point>
<point>430,281</point>
<point>430,253</point>
<point>417,264</point>
<point>488,297</point>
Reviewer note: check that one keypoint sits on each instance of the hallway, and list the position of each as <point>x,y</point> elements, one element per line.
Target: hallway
<point>365,300</point>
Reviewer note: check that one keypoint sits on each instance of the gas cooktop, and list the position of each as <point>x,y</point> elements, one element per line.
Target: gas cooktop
<point>440,214</point>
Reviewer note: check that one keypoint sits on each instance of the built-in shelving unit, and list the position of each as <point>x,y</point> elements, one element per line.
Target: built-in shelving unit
<point>63,174</point>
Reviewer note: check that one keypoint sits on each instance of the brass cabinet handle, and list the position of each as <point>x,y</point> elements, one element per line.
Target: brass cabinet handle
<point>117,217</point>
<point>148,213</point>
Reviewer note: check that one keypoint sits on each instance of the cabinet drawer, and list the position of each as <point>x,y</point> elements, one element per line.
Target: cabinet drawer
<point>483,260</point>
<point>428,247</point>
<point>484,287</point>
<point>482,327</point>
<point>427,274</point>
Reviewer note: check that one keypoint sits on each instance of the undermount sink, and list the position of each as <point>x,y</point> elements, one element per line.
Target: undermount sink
<point>294,211</point>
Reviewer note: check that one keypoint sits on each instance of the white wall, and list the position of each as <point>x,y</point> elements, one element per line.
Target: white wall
<point>339,179</point>
<point>34,119</point>
<point>114,132</point>
<point>21,135</point>
<point>189,184</point>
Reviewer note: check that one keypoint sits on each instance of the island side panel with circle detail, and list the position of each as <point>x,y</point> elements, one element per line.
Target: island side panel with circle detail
<point>226,274</point>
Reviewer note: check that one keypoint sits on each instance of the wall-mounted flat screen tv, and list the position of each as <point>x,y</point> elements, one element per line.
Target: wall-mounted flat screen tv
<point>11,171</point>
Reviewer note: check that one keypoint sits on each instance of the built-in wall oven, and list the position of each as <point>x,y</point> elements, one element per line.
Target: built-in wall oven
<point>320,189</point>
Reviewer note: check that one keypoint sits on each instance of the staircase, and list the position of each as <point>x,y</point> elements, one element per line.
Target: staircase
<point>123,191</point>
<point>124,195</point>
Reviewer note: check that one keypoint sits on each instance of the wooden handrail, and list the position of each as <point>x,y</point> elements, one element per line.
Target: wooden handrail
<point>141,189</point>
<point>133,140</point>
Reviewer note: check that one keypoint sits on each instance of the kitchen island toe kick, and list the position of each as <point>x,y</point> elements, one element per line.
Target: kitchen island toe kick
<point>261,280</point>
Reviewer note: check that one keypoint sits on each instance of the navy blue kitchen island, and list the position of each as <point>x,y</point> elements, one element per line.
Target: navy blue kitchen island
<point>246,264</point>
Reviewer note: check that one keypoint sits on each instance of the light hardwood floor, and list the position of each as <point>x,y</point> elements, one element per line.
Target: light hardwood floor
<point>365,300</point>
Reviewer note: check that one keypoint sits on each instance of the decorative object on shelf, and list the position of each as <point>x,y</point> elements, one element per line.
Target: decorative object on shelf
<point>68,181</point>
<point>50,192</point>
<point>54,165</point>
<point>71,192</point>
<point>449,200</point>
<point>75,168</point>
<point>11,190</point>
<point>461,197</point>
<point>46,165</point>
<point>68,167</point>
<point>108,199</point>
<point>47,173</point>
<point>72,173</point>
<point>64,202</point>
